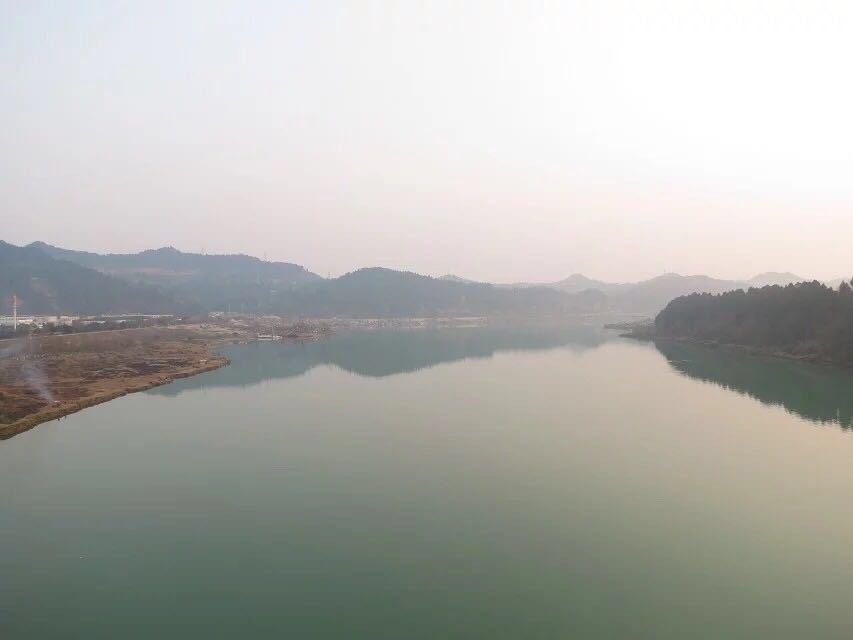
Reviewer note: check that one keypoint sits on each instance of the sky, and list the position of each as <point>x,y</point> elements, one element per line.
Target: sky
<point>501,141</point>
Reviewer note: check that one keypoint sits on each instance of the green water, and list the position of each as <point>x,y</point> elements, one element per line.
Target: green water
<point>465,483</point>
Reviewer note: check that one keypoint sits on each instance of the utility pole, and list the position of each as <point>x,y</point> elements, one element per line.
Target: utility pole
<point>14,313</point>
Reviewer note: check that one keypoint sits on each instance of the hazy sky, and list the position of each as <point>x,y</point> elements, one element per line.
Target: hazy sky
<point>495,140</point>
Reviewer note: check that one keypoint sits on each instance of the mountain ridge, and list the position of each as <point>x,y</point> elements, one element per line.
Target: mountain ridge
<point>45,285</point>
<point>177,280</point>
<point>651,295</point>
<point>241,282</point>
<point>165,258</point>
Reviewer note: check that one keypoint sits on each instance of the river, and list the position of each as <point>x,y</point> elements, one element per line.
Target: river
<point>527,482</point>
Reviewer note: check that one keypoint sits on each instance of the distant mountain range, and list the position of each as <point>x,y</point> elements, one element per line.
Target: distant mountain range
<point>575,283</point>
<point>50,279</point>
<point>650,296</point>
<point>378,292</point>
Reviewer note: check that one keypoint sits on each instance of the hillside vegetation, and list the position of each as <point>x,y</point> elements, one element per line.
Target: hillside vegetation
<point>167,265</point>
<point>805,319</point>
<point>47,286</point>
<point>210,282</point>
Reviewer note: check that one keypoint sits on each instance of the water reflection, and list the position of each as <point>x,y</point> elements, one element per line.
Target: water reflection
<point>820,394</point>
<point>385,352</point>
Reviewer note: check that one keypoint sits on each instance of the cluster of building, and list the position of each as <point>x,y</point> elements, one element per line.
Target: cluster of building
<point>77,321</point>
<point>37,321</point>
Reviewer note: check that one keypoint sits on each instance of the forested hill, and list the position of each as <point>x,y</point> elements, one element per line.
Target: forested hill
<point>807,319</point>
<point>169,267</point>
<point>47,286</point>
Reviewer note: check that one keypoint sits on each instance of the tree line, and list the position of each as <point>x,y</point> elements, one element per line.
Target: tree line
<point>806,318</point>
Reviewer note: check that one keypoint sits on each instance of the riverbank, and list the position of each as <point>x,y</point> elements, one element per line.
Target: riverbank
<point>45,378</point>
<point>799,353</point>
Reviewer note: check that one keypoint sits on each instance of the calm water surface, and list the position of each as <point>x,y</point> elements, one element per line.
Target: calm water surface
<point>464,483</point>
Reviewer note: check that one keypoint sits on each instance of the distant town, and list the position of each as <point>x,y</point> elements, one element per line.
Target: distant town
<point>43,322</point>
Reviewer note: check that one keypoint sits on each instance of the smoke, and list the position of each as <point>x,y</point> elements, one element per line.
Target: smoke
<point>37,380</point>
<point>31,371</point>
